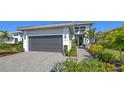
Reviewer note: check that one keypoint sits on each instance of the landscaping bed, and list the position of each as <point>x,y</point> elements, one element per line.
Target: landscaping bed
<point>88,65</point>
<point>10,49</point>
<point>107,55</point>
<point>73,50</point>
<point>104,60</point>
<point>7,53</point>
<point>107,52</point>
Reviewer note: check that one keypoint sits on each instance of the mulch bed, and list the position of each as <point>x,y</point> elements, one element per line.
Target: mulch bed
<point>7,53</point>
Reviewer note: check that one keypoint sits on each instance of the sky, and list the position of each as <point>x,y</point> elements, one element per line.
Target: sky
<point>107,25</point>
<point>99,25</point>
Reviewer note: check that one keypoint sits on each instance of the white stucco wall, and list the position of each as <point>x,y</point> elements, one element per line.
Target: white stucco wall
<point>46,32</point>
<point>19,38</point>
<point>25,42</point>
<point>66,40</point>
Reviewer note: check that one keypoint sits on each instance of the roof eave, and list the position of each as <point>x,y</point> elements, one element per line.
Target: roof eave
<point>50,26</point>
<point>41,27</point>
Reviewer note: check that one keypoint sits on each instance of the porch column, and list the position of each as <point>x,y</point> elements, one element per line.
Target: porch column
<point>84,40</point>
<point>78,41</point>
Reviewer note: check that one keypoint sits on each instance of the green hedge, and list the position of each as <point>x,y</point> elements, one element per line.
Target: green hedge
<point>11,47</point>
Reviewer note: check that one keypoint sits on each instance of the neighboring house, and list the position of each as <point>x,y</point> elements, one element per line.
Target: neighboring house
<point>52,38</point>
<point>1,39</point>
<point>14,37</point>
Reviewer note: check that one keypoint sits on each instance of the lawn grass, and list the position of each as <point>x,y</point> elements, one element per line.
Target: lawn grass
<point>116,53</point>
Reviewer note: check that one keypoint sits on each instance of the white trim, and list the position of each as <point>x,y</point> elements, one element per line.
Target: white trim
<point>46,35</point>
<point>25,44</point>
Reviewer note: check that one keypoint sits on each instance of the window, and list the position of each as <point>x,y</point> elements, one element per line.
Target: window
<point>10,38</point>
<point>21,34</point>
<point>82,28</point>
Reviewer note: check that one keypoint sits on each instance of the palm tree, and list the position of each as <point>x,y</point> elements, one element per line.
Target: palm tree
<point>91,34</point>
<point>5,35</point>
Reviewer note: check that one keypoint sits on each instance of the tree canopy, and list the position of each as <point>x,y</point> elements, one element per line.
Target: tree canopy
<point>109,38</point>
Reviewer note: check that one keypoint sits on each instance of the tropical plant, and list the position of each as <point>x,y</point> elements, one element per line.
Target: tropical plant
<point>58,68</point>
<point>65,50</point>
<point>73,50</point>
<point>5,35</point>
<point>91,34</point>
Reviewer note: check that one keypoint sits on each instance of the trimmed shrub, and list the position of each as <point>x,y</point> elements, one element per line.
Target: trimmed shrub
<point>65,50</point>
<point>5,46</point>
<point>11,47</point>
<point>14,49</point>
<point>20,43</point>
<point>19,47</point>
<point>73,50</point>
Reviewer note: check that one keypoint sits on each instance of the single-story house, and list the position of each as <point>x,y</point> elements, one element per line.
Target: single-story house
<point>52,38</point>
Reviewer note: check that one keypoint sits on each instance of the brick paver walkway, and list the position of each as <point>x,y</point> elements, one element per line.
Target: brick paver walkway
<point>83,54</point>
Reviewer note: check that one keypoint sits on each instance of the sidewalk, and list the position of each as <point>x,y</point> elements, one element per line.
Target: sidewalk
<point>82,54</point>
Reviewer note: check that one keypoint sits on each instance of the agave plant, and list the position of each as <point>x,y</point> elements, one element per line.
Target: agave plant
<point>58,68</point>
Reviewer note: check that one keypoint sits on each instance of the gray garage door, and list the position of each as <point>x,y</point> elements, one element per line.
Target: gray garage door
<point>45,43</point>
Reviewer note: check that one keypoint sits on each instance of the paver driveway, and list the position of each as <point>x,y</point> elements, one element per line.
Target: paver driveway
<point>30,61</point>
